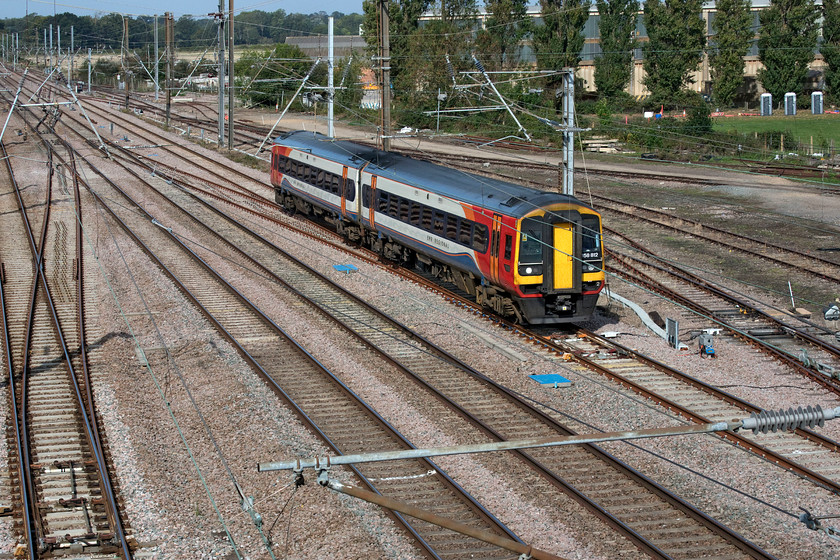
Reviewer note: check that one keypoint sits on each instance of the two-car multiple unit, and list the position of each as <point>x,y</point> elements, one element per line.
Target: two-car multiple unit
<point>529,255</point>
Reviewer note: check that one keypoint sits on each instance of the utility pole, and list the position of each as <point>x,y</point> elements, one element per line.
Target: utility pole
<point>157,83</point>
<point>90,52</point>
<point>45,46</point>
<point>385,72</point>
<point>330,82</point>
<point>568,131</point>
<point>230,76</point>
<point>221,34</point>
<point>72,53</point>
<point>169,38</point>
<point>124,55</point>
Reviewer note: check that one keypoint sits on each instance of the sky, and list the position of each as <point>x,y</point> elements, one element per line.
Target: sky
<point>199,8</point>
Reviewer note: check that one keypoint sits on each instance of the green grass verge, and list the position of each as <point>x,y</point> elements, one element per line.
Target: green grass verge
<point>798,129</point>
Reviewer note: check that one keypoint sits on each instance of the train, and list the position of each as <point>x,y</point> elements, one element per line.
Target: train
<point>530,256</point>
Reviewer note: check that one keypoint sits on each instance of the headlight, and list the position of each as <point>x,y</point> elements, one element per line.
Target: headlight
<point>530,269</point>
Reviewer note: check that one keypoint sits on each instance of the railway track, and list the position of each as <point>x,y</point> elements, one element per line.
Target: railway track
<point>766,450</point>
<point>231,195</point>
<point>489,408</point>
<point>309,388</point>
<point>808,349</point>
<point>501,417</point>
<point>789,258</point>
<point>66,500</point>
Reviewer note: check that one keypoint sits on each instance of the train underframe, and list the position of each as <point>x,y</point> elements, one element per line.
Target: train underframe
<point>549,309</point>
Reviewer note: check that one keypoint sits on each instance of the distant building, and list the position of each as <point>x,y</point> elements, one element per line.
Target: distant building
<point>317,45</point>
<point>702,78</point>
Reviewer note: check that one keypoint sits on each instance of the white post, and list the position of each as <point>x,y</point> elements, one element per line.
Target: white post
<point>792,303</point>
<point>330,82</point>
<point>89,64</point>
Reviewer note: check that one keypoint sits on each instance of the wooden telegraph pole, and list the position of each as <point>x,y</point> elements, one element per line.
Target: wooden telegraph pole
<point>124,56</point>
<point>385,72</point>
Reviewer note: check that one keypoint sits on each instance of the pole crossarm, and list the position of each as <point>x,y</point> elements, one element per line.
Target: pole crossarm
<point>499,95</point>
<point>761,422</point>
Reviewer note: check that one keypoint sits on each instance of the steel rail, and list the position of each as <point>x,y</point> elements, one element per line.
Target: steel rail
<point>18,416</point>
<point>89,418</point>
<point>617,524</point>
<point>785,357</point>
<point>265,374</point>
<point>111,506</point>
<point>694,280</point>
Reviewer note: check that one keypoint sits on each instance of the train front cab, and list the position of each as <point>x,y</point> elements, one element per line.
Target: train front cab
<point>559,257</point>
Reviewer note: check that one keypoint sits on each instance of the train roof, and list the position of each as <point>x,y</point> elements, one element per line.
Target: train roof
<point>499,196</point>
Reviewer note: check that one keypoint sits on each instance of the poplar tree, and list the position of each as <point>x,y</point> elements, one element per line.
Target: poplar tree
<point>830,48</point>
<point>507,23</point>
<point>559,40</point>
<point>786,45</point>
<point>732,39</point>
<point>404,16</point>
<point>677,36</point>
<point>617,23</point>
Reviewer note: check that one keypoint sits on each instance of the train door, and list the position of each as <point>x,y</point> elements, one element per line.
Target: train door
<point>343,188</point>
<point>372,207</point>
<point>564,260</point>
<point>495,241</point>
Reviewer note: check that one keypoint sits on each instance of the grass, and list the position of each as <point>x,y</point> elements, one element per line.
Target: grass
<point>800,128</point>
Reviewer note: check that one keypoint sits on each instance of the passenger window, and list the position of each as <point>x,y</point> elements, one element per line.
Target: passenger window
<point>394,206</point>
<point>366,190</point>
<point>414,213</point>
<point>382,197</point>
<point>452,227</point>
<point>404,210</point>
<point>350,190</point>
<point>427,218</point>
<point>319,182</point>
<point>438,224</point>
<point>479,242</point>
<point>508,246</point>
<point>465,232</point>
<point>287,165</point>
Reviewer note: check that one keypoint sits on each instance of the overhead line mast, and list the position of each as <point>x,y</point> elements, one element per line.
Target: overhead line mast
<point>385,73</point>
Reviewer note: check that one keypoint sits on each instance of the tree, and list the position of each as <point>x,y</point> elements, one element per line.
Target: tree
<point>269,73</point>
<point>559,40</point>
<point>506,25</point>
<point>676,38</point>
<point>786,45</point>
<point>424,61</point>
<point>404,18</point>
<point>617,23</point>
<point>830,48</point>
<point>732,39</point>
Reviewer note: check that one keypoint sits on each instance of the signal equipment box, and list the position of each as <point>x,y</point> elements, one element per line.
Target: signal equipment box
<point>817,103</point>
<point>790,103</point>
<point>766,104</point>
